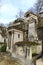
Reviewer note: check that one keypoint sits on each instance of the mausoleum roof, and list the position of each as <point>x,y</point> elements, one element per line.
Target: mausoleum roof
<point>28,43</point>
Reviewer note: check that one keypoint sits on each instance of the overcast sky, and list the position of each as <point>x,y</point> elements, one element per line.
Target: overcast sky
<point>10,8</point>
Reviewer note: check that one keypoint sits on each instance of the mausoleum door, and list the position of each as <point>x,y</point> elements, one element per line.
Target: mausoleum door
<point>27,52</point>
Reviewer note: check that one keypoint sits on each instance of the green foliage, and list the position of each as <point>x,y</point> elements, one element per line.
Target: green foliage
<point>3,48</point>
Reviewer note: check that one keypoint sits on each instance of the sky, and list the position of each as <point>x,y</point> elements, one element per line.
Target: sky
<point>10,8</point>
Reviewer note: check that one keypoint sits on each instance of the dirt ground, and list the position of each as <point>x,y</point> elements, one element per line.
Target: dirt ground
<point>39,62</point>
<point>6,60</point>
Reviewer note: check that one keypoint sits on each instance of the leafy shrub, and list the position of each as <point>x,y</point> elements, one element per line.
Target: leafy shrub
<point>3,48</point>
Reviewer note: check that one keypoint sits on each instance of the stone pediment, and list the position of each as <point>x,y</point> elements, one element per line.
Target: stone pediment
<point>31,20</point>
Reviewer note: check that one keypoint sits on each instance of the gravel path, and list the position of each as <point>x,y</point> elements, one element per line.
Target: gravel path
<point>39,62</point>
<point>7,60</point>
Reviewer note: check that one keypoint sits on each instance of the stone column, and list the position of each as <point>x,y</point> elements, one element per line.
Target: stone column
<point>27,53</point>
<point>7,42</point>
<point>30,53</point>
<point>12,41</point>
